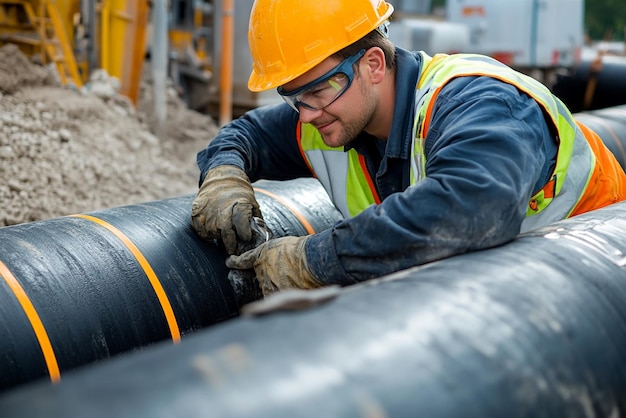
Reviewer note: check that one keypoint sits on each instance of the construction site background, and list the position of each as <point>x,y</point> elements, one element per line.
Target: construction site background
<point>71,144</point>
<point>65,151</point>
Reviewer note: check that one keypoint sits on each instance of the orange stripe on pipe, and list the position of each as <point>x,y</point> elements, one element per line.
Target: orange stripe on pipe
<point>154,280</point>
<point>35,322</point>
<point>307,226</point>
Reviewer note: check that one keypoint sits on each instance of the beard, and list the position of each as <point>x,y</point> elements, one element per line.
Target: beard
<point>351,128</point>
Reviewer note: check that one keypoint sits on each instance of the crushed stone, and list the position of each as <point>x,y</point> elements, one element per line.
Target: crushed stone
<point>64,151</point>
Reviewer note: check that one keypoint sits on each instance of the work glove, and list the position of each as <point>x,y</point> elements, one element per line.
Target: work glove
<point>278,264</point>
<point>224,207</point>
<point>243,282</point>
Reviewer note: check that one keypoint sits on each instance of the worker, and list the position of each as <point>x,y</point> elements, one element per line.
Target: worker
<point>425,156</point>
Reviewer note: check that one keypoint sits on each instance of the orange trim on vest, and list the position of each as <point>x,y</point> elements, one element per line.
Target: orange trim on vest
<point>370,182</point>
<point>428,114</point>
<point>608,181</point>
<point>549,189</point>
<point>299,140</point>
<point>548,193</point>
<point>429,111</point>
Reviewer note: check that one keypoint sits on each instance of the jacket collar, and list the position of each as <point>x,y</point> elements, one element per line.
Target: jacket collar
<point>408,68</point>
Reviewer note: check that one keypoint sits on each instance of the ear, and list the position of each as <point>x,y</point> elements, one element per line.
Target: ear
<point>374,58</point>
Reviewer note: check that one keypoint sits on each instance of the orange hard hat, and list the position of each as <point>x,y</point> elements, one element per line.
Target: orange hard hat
<point>287,38</point>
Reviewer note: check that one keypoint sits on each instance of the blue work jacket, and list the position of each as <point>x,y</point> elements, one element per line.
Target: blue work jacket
<point>488,150</point>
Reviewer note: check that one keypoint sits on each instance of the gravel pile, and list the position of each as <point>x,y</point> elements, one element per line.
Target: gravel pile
<point>64,152</point>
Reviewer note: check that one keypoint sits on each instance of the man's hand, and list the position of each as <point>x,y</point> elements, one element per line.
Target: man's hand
<point>224,207</point>
<point>279,264</point>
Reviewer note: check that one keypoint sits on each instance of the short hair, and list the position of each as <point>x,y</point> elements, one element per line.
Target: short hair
<point>374,38</point>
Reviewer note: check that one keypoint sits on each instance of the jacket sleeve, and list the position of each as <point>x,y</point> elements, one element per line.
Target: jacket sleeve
<point>262,142</point>
<point>488,150</point>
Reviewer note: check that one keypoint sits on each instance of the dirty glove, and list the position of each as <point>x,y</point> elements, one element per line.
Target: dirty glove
<point>224,207</point>
<point>279,264</point>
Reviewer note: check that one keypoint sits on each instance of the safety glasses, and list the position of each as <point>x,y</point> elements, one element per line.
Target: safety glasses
<point>324,90</point>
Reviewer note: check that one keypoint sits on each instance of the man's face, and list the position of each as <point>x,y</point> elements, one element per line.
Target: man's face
<point>339,105</point>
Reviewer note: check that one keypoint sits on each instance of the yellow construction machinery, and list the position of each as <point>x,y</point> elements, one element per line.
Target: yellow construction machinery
<point>189,32</point>
<point>39,28</point>
<point>205,44</point>
<point>81,36</point>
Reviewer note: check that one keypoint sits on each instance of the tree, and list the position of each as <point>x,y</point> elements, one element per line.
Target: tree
<point>605,19</point>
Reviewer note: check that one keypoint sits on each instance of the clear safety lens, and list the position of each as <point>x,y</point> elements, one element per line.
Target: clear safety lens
<point>320,95</point>
<point>324,90</point>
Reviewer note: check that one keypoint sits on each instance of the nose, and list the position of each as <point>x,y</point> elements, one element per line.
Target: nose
<point>307,115</point>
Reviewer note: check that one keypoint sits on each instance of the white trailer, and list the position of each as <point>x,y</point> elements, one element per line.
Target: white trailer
<point>429,35</point>
<point>526,34</point>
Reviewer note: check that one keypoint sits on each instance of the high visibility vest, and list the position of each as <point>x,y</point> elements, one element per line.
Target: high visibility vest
<point>348,183</point>
<point>343,174</point>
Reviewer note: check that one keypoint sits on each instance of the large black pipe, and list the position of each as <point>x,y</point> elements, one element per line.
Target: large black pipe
<point>534,328</point>
<point>596,82</point>
<point>82,288</point>
<point>610,125</point>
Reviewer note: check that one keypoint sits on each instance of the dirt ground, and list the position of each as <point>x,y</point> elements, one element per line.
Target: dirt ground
<point>63,151</point>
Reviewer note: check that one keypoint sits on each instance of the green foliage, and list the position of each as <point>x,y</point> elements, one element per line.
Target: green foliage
<point>605,19</point>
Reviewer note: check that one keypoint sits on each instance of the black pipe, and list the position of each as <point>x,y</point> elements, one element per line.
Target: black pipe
<point>610,125</point>
<point>82,288</point>
<point>534,328</point>
<point>596,82</point>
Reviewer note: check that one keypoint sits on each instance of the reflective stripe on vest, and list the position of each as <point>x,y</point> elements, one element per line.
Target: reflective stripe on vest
<point>575,159</point>
<point>348,183</point>
<point>342,173</point>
